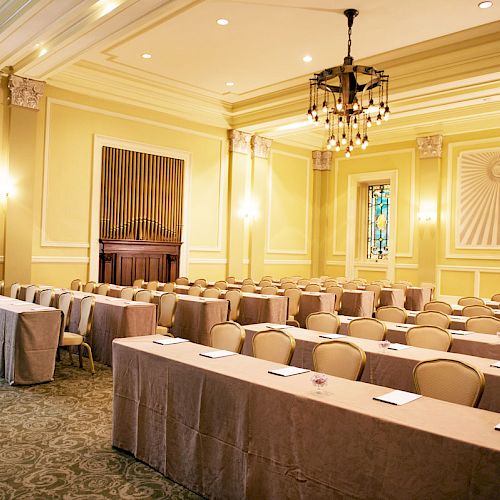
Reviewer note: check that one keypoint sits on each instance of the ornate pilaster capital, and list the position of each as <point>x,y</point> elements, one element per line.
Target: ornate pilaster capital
<point>239,142</point>
<point>261,147</point>
<point>322,160</point>
<point>430,146</point>
<point>25,92</point>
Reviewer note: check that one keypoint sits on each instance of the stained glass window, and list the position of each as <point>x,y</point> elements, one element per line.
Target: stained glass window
<point>379,197</point>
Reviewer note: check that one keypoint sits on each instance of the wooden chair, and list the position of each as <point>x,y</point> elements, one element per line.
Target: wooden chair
<point>367,328</point>
<point>31,293</point>
<point>263,283</point>
<point>2,287</point>
<point>470,301</point>
<point>200,282</point>
<point>221,285</point>
<point>294,295</point>
<point>46,297</point>
<point>303,282</point>
<point>478,310</point>
<point>103,289</point>
<point>231,280</point>
<point>90,287</point>
<point>440,306</point>
<point>483,324</point>
<point>167,287</point>
<point>248,281</point>
<point>496,297</point>
<point>287,285</point>
<point>273,345</point>
<point>183,280</point>
<point>313,287</point>
<point>429,337</point>
<point>269,290</point>
<point>138,283</point>
<point>376,289</point>
<point>143,296</point>
<point>128,293</point>
<point>339,359</point>
<point>432,318</point>
<point>234,298</point>
<point>195,291</point>
<point>166,313</point>
<point>152,285</point>
<point>14,290</point>
<point>212,293</point>
<point>248,288</point>
<point>326,322</point>
<point>391,313</point>
<point>350,285</point>
<point>228,336</point>
<point>76,285</point>
<point>338,291</point>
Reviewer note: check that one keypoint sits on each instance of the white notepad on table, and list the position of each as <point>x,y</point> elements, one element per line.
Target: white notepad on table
<point>497,427</point>
<point>170,340</point>
<point>404,325</point>
<point>459,332</point>
<point>398,347</point>
<point>332,336</point>
<point>217,354</point>
<point>398,397</point>
<point>277,326</point>
<point>496,365</point>
<point>288,371</point>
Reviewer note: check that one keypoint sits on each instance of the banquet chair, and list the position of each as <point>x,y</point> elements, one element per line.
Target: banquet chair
<point>81,337</point>
<point>30,293</point>
<point>182,281</point>
<point>143,296</point>
<point>470,301</point>
<point>483,324</point>
<point>273,345</point>
<point>438,305</point>
<point>221,285</point>
<point>367,328</point>
<point>303,282</point>
<point>46,297</point>
<point>429,337</point>
<point>248,288</point>
<point>231,280</point>
<point>376,289</point>
<point>287,285</point>
<point>350,285</point>
<point>477,311</point>
<point>152,285</point>
<point>294,295</point>
<point>263,283</point>
<point>318,281</point>
<point>234,298</point>
<point>167,287</point>
<point>166,313</point>
<point>2,286</point>
<point>248,281</point>
<point>195,290</point>
<point>103,289</point>
<point>391,313</point>
<point>212,293</point>
<point>64,302</point>
<point>330,282</point>
<point>138,283</point>
<point>14,290</point>
<point>76,285</point>
<point>449,380</point>
<point>339,359</point>
<point>338,291</point>
<point>228,336</point>
<point>432,318</point>
<point>322,321</point>
<point>287,280</point>
<point>200,282</point>
<point>128,293</point>
<point>496,297</point>
<point>341,279</point>
<point>313,287</point>
<point>402,286</point>
<point>267,277</point>
<point>89,287</point>
<point>269,290</point>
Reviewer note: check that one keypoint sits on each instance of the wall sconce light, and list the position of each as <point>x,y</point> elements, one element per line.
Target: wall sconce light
<point>248,210</point>
<point>427,213</point>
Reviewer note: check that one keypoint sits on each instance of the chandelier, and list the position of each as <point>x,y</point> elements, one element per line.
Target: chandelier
<point>354,99</point>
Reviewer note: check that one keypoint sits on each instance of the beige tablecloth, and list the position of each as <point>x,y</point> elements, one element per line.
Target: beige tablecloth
<point>417,297</point>
<point>456,323</point>
<point>392,297</point>
<point>390,368</point>
<point>227,429</point>
<point>113,318</point>
<point>311,302</point>
<point>357,303</point>
<point>257,308</point>
<point>29,336</point>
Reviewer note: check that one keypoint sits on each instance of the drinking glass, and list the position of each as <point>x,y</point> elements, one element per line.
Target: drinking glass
<point>319,381</point>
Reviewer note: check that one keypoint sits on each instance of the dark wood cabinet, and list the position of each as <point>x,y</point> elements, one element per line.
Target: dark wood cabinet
<point>123,261</point>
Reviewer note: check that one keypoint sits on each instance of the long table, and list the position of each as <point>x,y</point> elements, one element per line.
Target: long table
<point>29,336</point>
<point>388,368</point>
<point>226,428</point>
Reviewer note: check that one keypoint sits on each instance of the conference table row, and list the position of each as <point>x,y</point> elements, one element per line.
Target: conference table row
<point>227,428</point>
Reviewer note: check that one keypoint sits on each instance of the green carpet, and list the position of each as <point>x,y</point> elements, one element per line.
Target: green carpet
<point>55,442</point>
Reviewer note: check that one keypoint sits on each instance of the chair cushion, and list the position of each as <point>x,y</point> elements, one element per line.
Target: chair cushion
<point>72,339</point>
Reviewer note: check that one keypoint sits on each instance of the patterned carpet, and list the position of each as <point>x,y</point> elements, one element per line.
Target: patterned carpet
<point>55,442</point>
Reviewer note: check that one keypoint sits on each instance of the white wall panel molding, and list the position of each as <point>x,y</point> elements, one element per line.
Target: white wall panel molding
<point>469,269</point>
<point>286,262</point>
<point>58,259</point>
<point>207,261</point>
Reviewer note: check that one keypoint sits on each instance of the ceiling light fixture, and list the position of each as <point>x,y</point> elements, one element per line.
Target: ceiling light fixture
<point>352,104</point>
<point>484,5</point>
<point>42,52</point>
<point>229,84</point>
<point>307,58</point>
<point>146,55</point>
<point>222,22</point>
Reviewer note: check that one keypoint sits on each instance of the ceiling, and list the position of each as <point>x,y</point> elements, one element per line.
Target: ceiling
<point>95,47</point>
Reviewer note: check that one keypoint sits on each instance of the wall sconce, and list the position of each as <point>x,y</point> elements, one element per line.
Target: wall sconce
<point>427,213</point>
<point>248,210</point>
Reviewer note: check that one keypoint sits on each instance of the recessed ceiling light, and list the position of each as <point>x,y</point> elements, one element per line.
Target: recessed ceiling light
<point>307,58</point>
<point>146,55</point>
<point>484,5</point>
<point>229,84</point>
<point>222,22</point>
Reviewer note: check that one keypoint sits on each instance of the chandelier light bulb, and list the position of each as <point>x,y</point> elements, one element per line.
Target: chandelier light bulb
<point>387,113</point>
<point>344,140</point>
<point>337,147</point>
<point>369,122</point>
<point>355,105</point>
<point>379,119</point>
<point>363,146</point>
<point>314,111</point>
<point>347,153</point>
<point>355,123</point>
<point>339,104</point>
<point>325,107</point>
<point>358,139</point>
<point>331,140</point>
<point>329,147</point>
<point>327,123</point>
<point>341,122</point>
<point>351,146</point>
<point>309,115</point>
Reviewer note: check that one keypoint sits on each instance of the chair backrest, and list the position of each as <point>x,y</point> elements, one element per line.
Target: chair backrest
<point>248,281</point>
<point>46,297</point>
<point>449,380</point>
<point>167,287</point>
<point>303,282</point>
<point>143,295</point>
<point>350,285</point>
<point>483,324</point>
<point>496,297</point>
<point>138,283</point>
<point>313,287</point>
<point>86,316</point>
<point>128,293</point>
<point>212,293</point>
<point>269,290</point>
<point>432,318</point>
<point>2,286</point>
<point>470,301</point>
<point>89,287</point>
<point>294,295</point>
<point>231,280</point>
<point>391,313</point>
<point>367,328</point>
<point>438,305</point>
<point>182,280</point>
<point>65,304</point>
<point>402,286</point>
<point>470,311</point>
<point>30,293</point>
<point>376,289</point>
<point>263,283</point>
<point>103,289</point>
<point>338,291</point>
<point>228,335</point>
<point>432,286</point>
<point>339,359</point>
<point>76,285</point>
<point>323,322</point>
<point>288,284</point>
<point>287,280</point>
<point>247,287</point>
<point>221,285</point>
<point>341,279</point>
<point>330,282</point>
<point>267,277</point>
<point>14,290</point>
<point>429,337</point>
<point>233,297</point>
<point>195,290</point>
<point>166,313</point>
<point>200,282</point>
<point>273,345</point>
<point>152,285</point>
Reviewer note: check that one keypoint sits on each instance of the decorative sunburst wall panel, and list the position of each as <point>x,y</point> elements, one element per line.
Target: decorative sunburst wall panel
<point>478,199</point>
